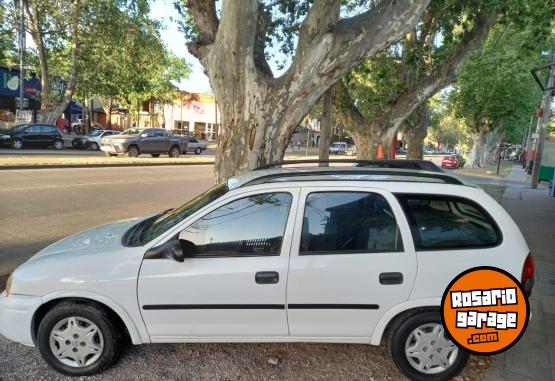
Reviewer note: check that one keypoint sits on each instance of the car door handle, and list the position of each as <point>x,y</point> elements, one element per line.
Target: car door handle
<point>391,278</point>
<point>266,277</point>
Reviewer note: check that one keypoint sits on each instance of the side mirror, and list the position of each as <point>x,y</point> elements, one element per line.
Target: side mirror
<point>169,250</point>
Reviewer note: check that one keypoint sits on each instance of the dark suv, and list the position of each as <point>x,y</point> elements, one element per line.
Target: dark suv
<point>32,135</point>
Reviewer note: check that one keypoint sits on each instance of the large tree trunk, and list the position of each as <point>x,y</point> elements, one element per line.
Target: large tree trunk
<point>53,104</point>
<point>325,127</point>
<point>259,112</point>
<point>475,159</point>
<point>416,133</point>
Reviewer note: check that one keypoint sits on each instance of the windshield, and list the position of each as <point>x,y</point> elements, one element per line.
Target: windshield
<point>132,131</point>
<point>95,133</point>
<point>168,220</point>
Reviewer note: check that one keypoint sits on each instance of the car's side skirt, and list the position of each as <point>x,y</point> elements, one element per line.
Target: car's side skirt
<point>269,339</point>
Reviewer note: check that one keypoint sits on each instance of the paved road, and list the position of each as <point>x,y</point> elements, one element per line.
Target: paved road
<point>38,207</point>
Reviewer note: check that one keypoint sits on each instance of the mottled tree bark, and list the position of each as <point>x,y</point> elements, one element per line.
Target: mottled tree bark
<point>416,133</point>
<point>259,112</point>
<point>325,127</point>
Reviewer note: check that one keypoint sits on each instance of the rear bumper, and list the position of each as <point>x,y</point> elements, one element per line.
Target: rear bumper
<point>16,317</point>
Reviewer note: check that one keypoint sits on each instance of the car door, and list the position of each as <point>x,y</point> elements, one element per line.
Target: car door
<point>33,136</point>
<point>234,284</point>
<point>351,261</point>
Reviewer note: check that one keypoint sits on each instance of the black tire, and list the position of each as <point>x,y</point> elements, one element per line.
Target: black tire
<point>174,152</point>
<point>112,337</point>
<point>58,144</point>
<point>17,144</point>
<point>399,334</point>
<point>133,151</point>
<point>155,154</point>
<point>198,151</point>
<point>94,146</point>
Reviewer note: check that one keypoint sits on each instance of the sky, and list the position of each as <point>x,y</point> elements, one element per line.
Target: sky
<point>175,40</point>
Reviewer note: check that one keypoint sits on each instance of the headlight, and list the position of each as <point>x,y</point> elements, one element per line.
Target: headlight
<point>5,136</point>
<point>9,285</point>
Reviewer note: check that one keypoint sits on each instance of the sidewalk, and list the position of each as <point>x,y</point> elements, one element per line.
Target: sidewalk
<point>533,357</point>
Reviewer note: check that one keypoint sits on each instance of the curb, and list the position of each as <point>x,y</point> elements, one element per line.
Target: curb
<point>65,166</point>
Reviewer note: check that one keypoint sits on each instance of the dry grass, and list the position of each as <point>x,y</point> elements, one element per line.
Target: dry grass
<point>489,171</point>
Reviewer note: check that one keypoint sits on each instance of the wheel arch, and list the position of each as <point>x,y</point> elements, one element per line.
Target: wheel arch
<point>120,316</point>
<point>136,145</point>
<point>401,310</point>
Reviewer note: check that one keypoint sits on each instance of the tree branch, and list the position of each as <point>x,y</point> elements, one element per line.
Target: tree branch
<point>74,51</point>
<point>443,75</point>
<point>263,20</point>
<point>207,23</point>
<point>374,30</point>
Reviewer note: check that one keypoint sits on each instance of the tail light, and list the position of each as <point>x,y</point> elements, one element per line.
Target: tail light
<point>527,279</point>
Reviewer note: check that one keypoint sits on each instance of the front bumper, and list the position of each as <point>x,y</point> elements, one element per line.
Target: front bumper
<point>112,148</point>
<point>16,317</point>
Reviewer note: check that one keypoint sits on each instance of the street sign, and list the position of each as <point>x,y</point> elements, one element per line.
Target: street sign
<point>25,116</point>
<point>18,102</point>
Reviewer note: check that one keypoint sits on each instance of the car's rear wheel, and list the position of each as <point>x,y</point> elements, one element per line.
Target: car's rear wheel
<point>155,154</point>
<point>198,151</point>
<point>174,152</point>
<point>58,144</point>
<point>133,151</point>
<point>17,144</point>
<point>79,339</point>
<point>94,146</point>
<point>421,349</point>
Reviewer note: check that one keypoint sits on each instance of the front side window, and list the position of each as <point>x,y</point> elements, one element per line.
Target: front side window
<point>34,129</point>
<point>253,225</point>
<point>348,222</point>
<point>448,222</point>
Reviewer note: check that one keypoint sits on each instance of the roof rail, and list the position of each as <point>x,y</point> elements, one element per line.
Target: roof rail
<point>358,171</point>
<point>310,161</point>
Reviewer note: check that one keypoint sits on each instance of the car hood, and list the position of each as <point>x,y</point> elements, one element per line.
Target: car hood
<point>120,137</point>
<point>98,239</point>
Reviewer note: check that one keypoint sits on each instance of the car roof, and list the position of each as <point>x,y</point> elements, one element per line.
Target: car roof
<point>312,174</point>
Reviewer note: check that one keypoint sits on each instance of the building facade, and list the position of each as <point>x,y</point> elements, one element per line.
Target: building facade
<point>194,114</point>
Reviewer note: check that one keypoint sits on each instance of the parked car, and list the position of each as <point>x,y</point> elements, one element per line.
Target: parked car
<point>338,148</point>
<point>461,159</point>
<point>32,135</point>
<point>92,140</point>
<point>136,141</point>
<point>413,164</point>
<point>351,150</point>
<point>428,151</point>
<point>450,161</point>
<point>338,254</point>
<point>193,145</point>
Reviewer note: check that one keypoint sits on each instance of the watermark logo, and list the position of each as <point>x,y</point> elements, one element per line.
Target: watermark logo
<point>485,310</point>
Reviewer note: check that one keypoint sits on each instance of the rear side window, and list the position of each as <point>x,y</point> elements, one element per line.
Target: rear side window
<point>348,222</point>
<point>448,222</point>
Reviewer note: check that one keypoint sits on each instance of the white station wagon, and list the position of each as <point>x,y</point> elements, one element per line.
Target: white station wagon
<point>339,255</point>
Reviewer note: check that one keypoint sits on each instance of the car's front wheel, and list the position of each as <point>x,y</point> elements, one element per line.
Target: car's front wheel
<point>58,144</point>
<point>198,151</point>
<point>421,349</point>
<point>132,151</point>
<point>79,339</point>
<point>174,152</point>
<point>94,146</point>
<point>17,144</point>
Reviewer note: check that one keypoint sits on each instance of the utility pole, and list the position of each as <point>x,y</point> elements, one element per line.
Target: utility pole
<point>546,114</point>
<point>21,54</point>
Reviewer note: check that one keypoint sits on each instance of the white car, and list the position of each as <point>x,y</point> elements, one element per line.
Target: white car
<point>195,146</point>
<point>340,255</point>
<point>338,148</point>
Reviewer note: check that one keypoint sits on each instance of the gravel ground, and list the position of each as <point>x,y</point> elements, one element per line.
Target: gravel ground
<point>228,362</point>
